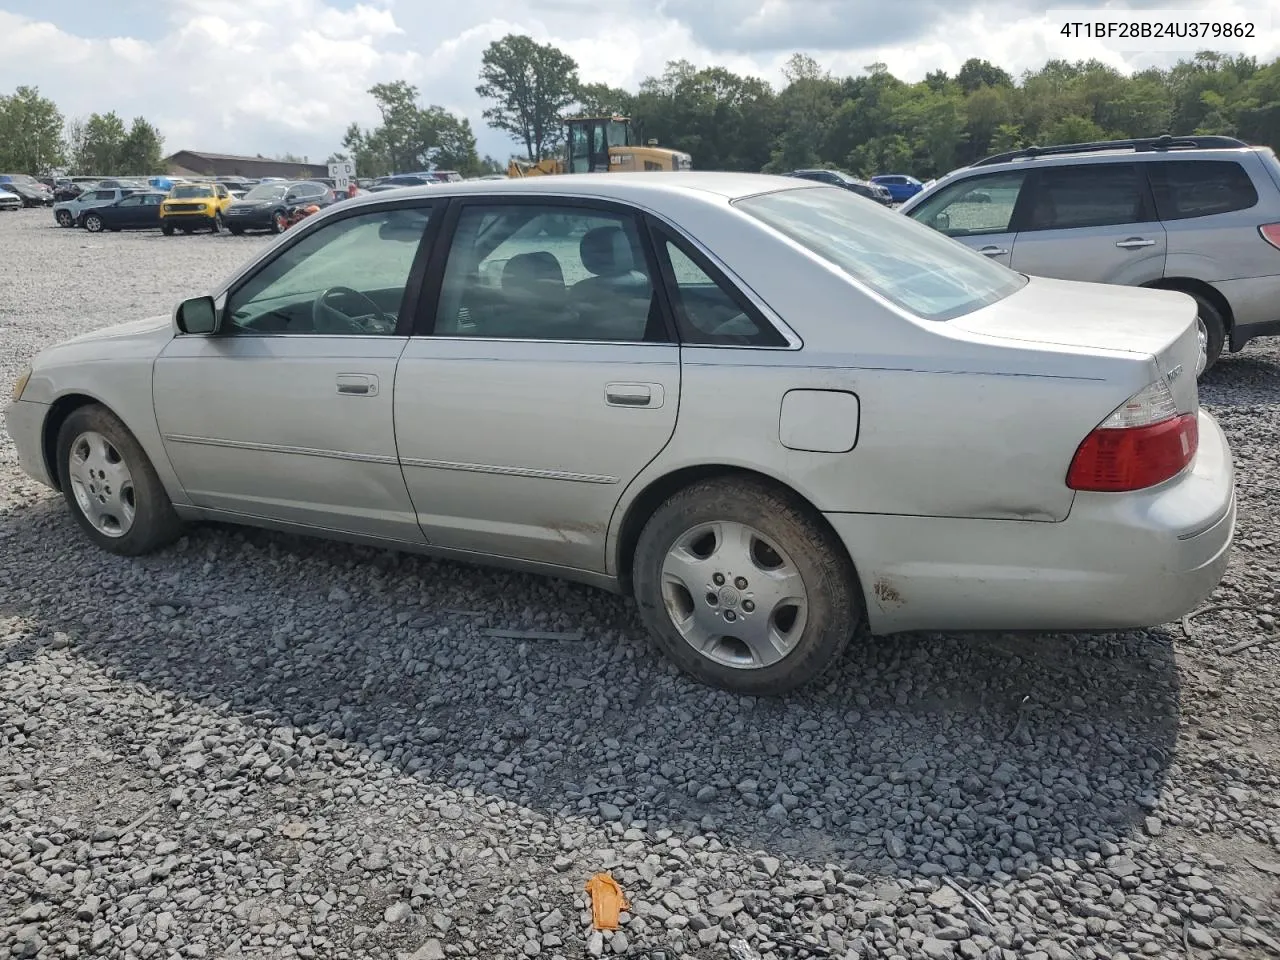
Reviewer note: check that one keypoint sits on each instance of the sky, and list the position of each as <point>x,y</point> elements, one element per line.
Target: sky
<point>275,76</point>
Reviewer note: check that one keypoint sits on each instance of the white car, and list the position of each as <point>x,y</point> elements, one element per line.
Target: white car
<point>9,201</point>
<point>770,410</point>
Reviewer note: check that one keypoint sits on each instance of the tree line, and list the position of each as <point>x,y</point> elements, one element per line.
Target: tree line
<point>870,123</point>
<point>36,138</point>
<point>874,122</point>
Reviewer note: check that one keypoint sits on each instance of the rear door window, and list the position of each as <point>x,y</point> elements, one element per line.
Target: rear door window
<point>1089,195</point>
<point>1200,188</point>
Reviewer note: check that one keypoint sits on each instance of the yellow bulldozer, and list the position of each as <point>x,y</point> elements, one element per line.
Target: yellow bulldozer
<point>604,144</point>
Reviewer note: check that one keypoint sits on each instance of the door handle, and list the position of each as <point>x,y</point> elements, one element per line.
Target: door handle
<point>357,384</point>
<point>1134,243</point>
<point>992,251</point>
<point>633,394</point>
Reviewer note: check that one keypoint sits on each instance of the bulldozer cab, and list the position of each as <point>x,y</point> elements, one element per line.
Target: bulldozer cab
<point>590,139</point>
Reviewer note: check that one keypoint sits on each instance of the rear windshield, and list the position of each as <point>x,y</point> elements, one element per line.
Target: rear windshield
<point>191,190</point>
<point>907,263</point>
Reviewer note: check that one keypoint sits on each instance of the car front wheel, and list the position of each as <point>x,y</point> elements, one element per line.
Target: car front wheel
<point>64,218</point>
<point>111,486</point>
<point>93,223</point>
<point>744,587</point>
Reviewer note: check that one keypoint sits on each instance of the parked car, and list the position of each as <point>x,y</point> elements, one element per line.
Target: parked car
<point>190,206</point>
<point>68,190</point>
<point>32,192</point>
<point>838,178</point>
<point>900,186</point>
<point>68,212</point>
<point>266,206</point>
<point>138,211</point>
<point>880,427</point>
<point>1196,214</point>
<point>10,201</point>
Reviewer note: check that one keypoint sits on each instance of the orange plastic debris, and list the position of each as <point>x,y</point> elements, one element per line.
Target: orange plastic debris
<point>607,901</point>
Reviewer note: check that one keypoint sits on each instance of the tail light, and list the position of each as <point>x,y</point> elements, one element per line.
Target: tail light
<point>1271,233</point>
<point>1143,442</point>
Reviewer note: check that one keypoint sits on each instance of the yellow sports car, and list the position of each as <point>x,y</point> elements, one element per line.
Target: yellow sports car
<point>192,205</point>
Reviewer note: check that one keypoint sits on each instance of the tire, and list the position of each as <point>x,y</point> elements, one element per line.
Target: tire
<point>216,227</point>
<point>64,218</point>
<point>93,223</point>
<point>93,435</point>
<point>1215,330</point>
<point>706,594</point>
<point>278,223</point>
<point>166,229</point>
<point>236,231</point>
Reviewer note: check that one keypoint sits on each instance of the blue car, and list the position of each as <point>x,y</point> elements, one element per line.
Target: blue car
<point>900,186</point>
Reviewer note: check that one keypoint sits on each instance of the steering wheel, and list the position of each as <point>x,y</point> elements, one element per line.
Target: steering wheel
<point>327,319</point>
<point>725,328</point>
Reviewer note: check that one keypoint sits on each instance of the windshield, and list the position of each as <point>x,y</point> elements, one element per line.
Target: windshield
<point>266,191</point>
<point>907,263</point>
<point>191,190</point>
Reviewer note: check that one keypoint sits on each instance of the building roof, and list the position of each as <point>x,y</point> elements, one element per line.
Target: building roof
<point>234,156</point>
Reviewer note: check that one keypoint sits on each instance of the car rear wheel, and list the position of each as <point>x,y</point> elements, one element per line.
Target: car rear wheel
<point>64,218</point>
<point>167,229</point>
<point>744,587</point>
<point>93,223</point>
<point>1212,330</point>
<point>111,486</point>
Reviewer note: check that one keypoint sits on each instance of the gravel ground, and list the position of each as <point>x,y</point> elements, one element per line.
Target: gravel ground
<point>254,745</point>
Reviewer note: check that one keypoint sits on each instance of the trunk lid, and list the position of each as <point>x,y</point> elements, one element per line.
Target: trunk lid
<point>1155,325</point>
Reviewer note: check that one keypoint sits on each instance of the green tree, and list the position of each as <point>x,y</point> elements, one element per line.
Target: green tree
<point>531,85</point>
<point>603,100</point>
<point>30,132</point>
<point>142,153</point>
<point>410,137</point>
<point>977,73</point>
<point>103,149</point>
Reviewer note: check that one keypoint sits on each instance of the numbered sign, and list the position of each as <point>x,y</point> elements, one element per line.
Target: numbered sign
<point>342,172</point>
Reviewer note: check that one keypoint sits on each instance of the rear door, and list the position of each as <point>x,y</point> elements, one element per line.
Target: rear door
<point>978,211</point>
<point>1091,221</point>
<point>545,381</point>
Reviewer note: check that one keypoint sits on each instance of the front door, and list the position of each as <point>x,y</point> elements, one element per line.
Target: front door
<point>548,383</point>
<point>285,413</point>
<point>977,211</point>
<point>1093,222</point>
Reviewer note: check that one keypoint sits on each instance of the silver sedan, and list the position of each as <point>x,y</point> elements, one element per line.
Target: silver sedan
<point>773,411</point>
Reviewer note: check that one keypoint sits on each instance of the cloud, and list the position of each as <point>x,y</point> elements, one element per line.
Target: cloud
<point>275,76</point>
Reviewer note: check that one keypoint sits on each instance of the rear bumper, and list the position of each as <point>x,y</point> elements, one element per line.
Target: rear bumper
<point>1255,307</point>
<point>1118,561</point>
<point>24,421</point>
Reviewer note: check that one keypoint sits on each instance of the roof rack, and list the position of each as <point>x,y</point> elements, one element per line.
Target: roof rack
<point>1165,142</point>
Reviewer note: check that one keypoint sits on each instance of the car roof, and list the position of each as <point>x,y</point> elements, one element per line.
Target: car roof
<point>632,187</point>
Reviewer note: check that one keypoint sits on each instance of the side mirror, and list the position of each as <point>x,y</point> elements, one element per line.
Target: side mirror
<point>197,315</point>
<point>941,222</point>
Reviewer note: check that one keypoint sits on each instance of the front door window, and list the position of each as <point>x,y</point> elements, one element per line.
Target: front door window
<point>348,277</point>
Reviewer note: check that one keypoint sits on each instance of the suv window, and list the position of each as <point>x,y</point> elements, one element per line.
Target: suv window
<point>546,272</point>
<point>131,202</point>
<point>1200,188</point>
<point>1086,195</point>
<point>906,263</point>
<point>973,206</point>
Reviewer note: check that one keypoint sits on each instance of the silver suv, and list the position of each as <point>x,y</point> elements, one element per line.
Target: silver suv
<point>1196,214</point>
